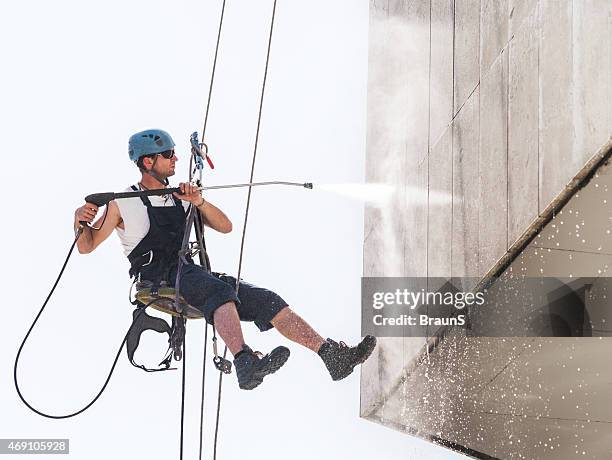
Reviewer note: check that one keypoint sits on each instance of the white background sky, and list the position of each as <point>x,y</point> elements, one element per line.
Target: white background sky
<point>78,78</point>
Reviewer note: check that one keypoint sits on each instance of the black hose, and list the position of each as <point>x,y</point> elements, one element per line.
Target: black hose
<point>29,406</point>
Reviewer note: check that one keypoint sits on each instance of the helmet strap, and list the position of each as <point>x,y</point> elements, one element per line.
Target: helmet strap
<point>154,175</point>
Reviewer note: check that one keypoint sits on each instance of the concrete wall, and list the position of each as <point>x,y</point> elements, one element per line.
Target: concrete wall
<point>480,112</point>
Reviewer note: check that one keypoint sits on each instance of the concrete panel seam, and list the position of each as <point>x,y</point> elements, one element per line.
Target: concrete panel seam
<point>577,251</point>
<point>452,154</point>
<point>368,235</point>
<point>538,28</point>
<point>437,139</point>
<point>454,40</point>
<point>524,22</point>
<point>503,50</point>
<point>479,203</point>
<point>537,417</point>
<point>503,44</point>
<point>508,152</point>
<point>428,147</point>
<point>466,101</point>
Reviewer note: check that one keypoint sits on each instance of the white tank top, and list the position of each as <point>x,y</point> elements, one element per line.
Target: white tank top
<point>136,220</point>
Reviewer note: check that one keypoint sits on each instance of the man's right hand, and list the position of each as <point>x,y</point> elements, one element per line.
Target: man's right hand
<point>90,239</point>
<point>86,213</point>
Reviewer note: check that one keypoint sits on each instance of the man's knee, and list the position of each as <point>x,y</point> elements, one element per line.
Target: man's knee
<point>274,314</point>
<point>227,308</point>
<point>281,316</point>
<point>222,310</point>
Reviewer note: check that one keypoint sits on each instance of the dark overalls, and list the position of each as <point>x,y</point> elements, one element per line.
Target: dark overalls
<point>155,259</point>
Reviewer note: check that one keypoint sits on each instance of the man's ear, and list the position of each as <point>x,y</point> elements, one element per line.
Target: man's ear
<point>147,162</point>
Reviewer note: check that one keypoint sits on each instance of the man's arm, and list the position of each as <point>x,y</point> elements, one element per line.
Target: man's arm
<point>212,216</point>
<point>91,239</point>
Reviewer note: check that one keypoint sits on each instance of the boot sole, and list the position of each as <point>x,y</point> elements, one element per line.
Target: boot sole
<point>370,344</point>
<point>274,361</point>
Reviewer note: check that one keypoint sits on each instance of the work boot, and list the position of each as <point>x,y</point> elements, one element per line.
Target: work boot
<point>341,359</point>
<point>251,367</point>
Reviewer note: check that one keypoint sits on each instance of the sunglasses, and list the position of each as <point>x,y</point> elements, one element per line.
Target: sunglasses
<point>167,154</point>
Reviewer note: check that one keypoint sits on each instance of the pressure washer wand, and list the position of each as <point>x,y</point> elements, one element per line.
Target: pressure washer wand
<point>101,199</point>
<point>254,184</point>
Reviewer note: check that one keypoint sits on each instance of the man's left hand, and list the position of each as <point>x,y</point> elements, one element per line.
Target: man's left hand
<point>190,193</point>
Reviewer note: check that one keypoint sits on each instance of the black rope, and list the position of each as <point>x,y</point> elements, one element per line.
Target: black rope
<point>212,76</point>
<point>199,226</point>
<point>177,284</point>
<point>248,204</point>
<point>183,385</point>
<point>177,287</point>
<point>218,408</point>
<point>112,369</point>
<point>203,388</point>
<point>263,89</point>
<point>199,235</point>
<point>199,230</point>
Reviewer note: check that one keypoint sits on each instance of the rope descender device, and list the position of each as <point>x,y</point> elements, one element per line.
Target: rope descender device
<point>198,153</point>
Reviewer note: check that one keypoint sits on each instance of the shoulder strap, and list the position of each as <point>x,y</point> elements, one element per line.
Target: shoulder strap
<point>177,201</point>
<point>145,200</point>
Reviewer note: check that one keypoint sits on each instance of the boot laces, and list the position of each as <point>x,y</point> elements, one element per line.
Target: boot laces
<point>339,344</point>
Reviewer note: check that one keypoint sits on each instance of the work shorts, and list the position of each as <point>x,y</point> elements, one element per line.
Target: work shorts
<point>207,292</point>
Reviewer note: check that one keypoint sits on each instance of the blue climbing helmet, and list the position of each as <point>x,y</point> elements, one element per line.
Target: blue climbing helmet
<point>149,142</point>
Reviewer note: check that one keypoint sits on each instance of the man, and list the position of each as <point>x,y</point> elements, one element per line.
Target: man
<point>151,230</point>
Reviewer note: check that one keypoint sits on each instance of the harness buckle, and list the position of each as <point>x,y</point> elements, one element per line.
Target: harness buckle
<point>194,249</point>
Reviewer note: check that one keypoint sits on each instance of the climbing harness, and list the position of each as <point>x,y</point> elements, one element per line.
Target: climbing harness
<point>140,323</point>
<point>152,260</point>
